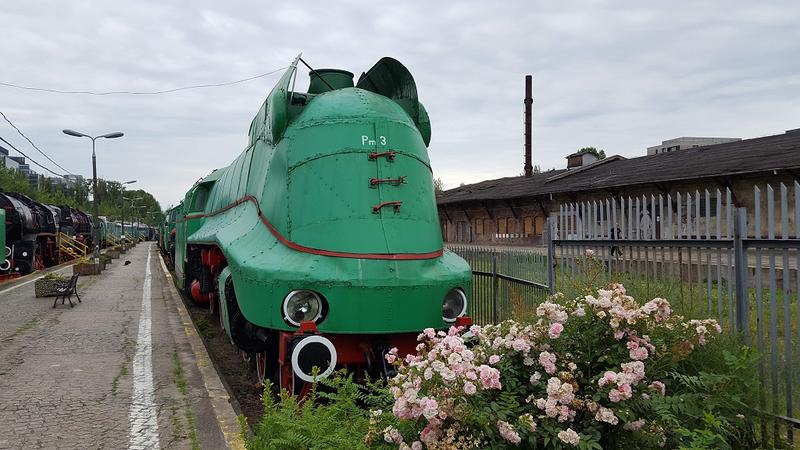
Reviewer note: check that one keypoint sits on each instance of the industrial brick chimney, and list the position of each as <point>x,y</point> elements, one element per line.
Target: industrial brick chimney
<point>528,111</point>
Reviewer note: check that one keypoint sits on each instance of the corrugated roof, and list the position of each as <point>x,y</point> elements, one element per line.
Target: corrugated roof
<point>779,152</point>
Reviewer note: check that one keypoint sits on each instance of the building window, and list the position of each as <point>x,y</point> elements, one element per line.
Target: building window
<point>528,226</point>
<point>502,227</point>
<point>512,226</point>
<point>479,227</point>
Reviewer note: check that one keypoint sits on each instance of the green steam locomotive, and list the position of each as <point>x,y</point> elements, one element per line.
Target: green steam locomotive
<point>319,246</point>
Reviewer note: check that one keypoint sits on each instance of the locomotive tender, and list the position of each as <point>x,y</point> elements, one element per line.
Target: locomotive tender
<point>320,244</point>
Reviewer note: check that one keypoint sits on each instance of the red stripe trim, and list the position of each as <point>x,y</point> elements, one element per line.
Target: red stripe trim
<point>314,251</point>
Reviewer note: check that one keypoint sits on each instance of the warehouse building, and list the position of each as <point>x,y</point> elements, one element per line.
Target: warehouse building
<point>512,211</point>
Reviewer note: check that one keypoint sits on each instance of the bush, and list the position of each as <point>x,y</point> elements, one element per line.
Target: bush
<point>55,276</point>
<point>598,371</point>
<point>338,413</point>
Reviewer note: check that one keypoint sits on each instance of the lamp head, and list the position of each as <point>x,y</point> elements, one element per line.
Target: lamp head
<point>75,133</point>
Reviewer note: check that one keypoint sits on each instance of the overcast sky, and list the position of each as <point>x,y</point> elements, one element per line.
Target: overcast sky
<point>620,76</point>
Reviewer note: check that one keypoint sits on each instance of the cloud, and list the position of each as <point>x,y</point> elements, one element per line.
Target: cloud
<point>616,76</point>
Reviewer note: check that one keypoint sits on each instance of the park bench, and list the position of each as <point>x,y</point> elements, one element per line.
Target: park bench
<point>66,291</point>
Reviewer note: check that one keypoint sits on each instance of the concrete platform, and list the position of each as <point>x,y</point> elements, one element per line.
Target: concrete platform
<point>123,369</point>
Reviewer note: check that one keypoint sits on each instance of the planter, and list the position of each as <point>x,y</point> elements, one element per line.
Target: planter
<point>113,254</point>
<point>47,288</point>
<point>87,269</point>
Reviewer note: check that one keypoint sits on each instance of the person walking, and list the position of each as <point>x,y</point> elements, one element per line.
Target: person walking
<point>615,250</point>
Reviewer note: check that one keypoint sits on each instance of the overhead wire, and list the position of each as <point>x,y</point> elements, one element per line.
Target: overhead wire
<point>101,93</point>
<point>30,159</point>
<point>165,91</point>
<point>32,144</point>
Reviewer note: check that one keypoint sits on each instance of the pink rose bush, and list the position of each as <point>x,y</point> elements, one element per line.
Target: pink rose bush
<point>580,374</point>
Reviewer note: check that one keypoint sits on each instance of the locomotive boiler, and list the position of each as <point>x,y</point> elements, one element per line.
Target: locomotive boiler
<point>319,245</point>
<point>30,229</point>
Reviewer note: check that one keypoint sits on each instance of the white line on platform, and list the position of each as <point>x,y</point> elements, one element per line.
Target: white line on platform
<point>30,281</point>
<point>142,415</point>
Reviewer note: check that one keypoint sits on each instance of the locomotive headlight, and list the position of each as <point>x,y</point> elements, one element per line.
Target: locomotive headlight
<point>454,305</point>
<point>302,305</point>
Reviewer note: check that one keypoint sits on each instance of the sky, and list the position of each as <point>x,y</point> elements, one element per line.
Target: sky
<point>619,76</point>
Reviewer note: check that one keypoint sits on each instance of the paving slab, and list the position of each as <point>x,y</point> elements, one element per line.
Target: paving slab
<point>122,369</point>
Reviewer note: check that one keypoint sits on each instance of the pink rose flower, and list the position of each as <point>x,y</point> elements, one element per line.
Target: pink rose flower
<point>507,432</point>
<point>658,386</point>
<point>469,388</point>
<point>555,330</point>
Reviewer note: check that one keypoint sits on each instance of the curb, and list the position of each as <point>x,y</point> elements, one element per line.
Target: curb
<point>33,276</point>
<point>217,394</point>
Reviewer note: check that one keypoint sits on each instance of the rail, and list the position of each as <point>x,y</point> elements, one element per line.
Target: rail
<point>503,282</point>
<point>70,247</point>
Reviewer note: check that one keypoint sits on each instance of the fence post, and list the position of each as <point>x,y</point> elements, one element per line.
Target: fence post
<point>495,289</point>
<point>551,275</point>
<point>741,275</point>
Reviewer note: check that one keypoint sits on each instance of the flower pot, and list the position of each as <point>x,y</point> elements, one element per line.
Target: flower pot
<point>44,287</point>
<point>86,269</point>
<point>113,254</point>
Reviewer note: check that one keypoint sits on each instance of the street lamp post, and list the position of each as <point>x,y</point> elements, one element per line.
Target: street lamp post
<point>139,222</point>
<point>116,134</point>
<point>123,211</point>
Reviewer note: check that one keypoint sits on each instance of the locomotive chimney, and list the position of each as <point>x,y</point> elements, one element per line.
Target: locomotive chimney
<point>528,108</point>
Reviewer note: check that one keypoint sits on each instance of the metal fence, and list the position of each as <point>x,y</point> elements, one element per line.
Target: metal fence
<point>711,258</point>
<point>505,282</point>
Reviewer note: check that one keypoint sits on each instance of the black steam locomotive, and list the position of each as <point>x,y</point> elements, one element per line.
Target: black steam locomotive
<point>31,231</point>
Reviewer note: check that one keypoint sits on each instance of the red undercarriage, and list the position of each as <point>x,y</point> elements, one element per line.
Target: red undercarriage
<point>352,350</point>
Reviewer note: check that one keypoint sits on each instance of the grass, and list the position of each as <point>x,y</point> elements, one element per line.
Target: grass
<point>204,327</point>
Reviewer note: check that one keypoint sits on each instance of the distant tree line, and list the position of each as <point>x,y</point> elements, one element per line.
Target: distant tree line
<point>600,154</point>
<point>77,196</point>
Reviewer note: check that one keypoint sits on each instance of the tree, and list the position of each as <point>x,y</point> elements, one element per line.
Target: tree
<point>600,154</point>
<point>13,181</point>
<point>438,185</point>
<point>109,196</point>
